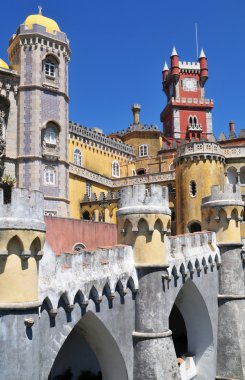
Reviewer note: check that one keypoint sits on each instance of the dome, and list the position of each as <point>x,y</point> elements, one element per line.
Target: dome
<point>50,25</point>
<point>3,65</point>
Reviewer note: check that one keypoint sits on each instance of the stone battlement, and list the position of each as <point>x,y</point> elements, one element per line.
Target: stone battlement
<point>197,149</point>
<point>25,211</point>
<point>100,138</point>
<point>136,199</point>
<point>87,273</point>
<point>192,252</point>
<point>230,194</point>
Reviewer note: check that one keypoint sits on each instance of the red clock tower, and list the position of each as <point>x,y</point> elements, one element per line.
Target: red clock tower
<point>187,113</point>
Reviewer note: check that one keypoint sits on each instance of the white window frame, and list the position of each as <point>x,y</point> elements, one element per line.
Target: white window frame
<point>49,175</point>
<point>77,157</point>
<point>49,68</point>
<point>115,169</point>
<point>50,136</point>
<point>143,150</point>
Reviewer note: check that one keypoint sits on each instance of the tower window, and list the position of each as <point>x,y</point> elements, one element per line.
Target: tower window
<point>193,188</point>
<point>50,136</point>
<point>49,69</point>
<point>88,189</point>
<point>49,175</point>
<point>77,157</point>
<point>143,150</point>
<point>115,169</point>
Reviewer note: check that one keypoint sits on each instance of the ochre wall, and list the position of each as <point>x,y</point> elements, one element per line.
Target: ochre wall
<point>206,174</point>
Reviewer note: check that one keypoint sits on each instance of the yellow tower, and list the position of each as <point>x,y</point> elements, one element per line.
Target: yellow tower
<point>198,166</point>
<point>22,235</point>
<point>143,221</point>
<point>222,212</point>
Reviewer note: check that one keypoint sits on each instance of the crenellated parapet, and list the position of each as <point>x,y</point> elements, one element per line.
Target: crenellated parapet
<point>86,276</point>
<point>192,254</point>
<point>222,212</point>
<point>143,221</point>
<point>199,150</point>
<point>22,236</point>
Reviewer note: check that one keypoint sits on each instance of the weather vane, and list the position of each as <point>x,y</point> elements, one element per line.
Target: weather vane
<point>40,8</point>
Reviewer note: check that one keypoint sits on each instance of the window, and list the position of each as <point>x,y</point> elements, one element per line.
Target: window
<point>115,169</point>
<point>141,171</point>
<point>49,68</point>
<point>88,189</point>
<point>193,188</point>
<point>143,150</point>
<point>77,157</point>
<point>49,175</point>
<point>79,247</point>
<point>50,136</point>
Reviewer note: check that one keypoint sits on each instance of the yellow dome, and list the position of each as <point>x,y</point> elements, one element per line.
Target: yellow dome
<point>3,65</point>
<point>50,25</point>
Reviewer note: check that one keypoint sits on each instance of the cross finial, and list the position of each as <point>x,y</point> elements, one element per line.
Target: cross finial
<point>40,8</point>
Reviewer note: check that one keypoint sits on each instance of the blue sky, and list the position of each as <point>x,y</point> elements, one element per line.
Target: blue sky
<point>119,48</point>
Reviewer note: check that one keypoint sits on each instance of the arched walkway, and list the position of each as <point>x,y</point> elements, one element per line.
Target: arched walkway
<point>90,347</point>
<point>198,328</point>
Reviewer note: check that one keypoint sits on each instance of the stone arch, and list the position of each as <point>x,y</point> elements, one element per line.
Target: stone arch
<point>200,337</point>
<point>15,246</point>
<point>143,226</point>
<point>234,214</point>
<point>194,226</point>
<point>232,175</point>
<point>35,246</point>
<point>95,349</point>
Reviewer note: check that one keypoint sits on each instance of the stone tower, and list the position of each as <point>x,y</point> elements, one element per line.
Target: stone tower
<point>143,222</point>
<point>187,113</point>
<point>222,212</point>
<point>198,165</point>
<point>39,53</point>
<point>22,232</point>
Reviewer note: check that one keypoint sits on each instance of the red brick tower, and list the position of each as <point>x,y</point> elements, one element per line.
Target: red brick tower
<point>187,113</point>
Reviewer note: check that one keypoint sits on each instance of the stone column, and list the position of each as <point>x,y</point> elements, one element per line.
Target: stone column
<point>231,326</point>
<point>154,354</point>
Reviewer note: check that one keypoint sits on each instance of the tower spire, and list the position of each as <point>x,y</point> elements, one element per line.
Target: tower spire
<point>40,8</point>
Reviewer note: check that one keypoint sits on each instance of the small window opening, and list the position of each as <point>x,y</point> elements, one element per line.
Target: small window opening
<point>86,215</point>
<point>79,247</point>
<point>141,172</point>
<point>193,189</point>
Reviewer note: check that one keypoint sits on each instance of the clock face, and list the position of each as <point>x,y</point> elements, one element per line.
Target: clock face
<point>189,84</point>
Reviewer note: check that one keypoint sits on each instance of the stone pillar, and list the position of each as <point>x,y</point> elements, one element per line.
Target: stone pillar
<point>143,222</point>
<point>221,212</point>
<point>154,353</point>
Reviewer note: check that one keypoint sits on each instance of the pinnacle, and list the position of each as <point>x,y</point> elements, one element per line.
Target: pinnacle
<point>202,54</point>
<point>174,52</point>
<point>165,68</point>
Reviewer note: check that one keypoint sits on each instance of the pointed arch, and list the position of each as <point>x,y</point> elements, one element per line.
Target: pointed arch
<point>15,246</point>
<point>35,246</point>
<point>199,330</point>
<point>94,348</point>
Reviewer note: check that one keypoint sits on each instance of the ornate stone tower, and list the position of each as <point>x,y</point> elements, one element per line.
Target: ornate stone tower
<point>187,113</point>
<point>143,221</point>
<point>39,52</point>
<point>198,165</point>
<point>222,212</point>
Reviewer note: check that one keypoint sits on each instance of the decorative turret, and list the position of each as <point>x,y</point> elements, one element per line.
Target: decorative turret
<point>143,222</point>
<point>203,68</point>
<point>175,69</point>
<point>165,71</point>
<point>22,235</point>
<point>222,212</point>
<point>136,113</point>
<point>198,165</point>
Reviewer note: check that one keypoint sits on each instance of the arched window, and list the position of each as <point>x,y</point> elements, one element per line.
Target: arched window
<point>193,188</point>
<point>50,67</point>
<point>115,169</point>
<point>79,247</point>
<point>89,189</point>
<point>49,177</point>
<point>143,150</point>
<point>50,135</point>
<point>232,175</point>
<point>77,157</point>
<point>141,171</point>
<point>242,175</point>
